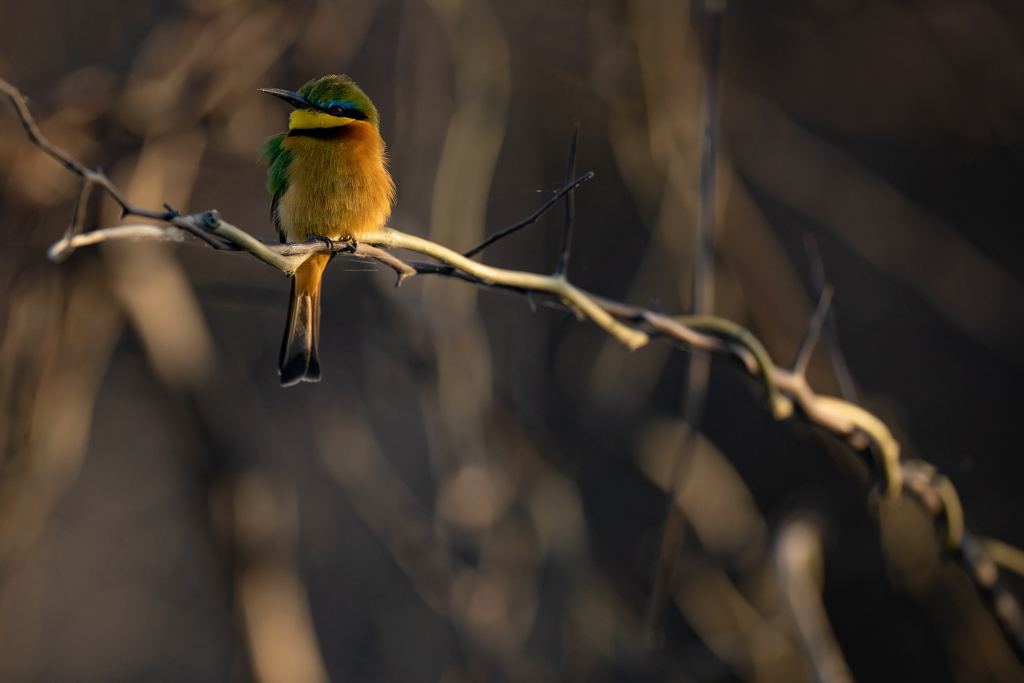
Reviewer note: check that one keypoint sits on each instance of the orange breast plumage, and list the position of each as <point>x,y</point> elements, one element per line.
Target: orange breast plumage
<point>338,183</point>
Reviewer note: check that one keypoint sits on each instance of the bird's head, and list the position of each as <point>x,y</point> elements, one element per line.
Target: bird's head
<point>327,102</point>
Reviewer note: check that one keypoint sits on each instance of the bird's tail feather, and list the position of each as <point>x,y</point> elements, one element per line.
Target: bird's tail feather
<point>298,361</point>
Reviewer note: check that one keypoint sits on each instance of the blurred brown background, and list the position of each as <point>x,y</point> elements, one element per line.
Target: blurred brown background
<point>472,492</point>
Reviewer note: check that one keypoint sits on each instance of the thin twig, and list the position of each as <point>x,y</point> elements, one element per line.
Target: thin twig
<point>803,356</point>
<point>831,332</point>
<point>570,205</point>
<point>401,268</point>
<point>62,249</point>
<point>532,218</point>
<point>710,33</point>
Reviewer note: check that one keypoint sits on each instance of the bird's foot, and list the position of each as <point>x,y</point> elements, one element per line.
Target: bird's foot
<point>323,238</point>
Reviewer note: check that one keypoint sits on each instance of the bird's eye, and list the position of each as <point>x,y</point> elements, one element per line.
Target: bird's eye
<point>336,110</point>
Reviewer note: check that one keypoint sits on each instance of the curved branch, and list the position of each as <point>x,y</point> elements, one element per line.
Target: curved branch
<point>551,284</point>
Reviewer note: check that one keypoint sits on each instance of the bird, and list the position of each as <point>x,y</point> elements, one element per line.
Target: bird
<point>328,176</point>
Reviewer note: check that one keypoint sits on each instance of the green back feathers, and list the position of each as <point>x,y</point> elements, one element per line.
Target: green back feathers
<point>276,160</point>
<point>330,90</point>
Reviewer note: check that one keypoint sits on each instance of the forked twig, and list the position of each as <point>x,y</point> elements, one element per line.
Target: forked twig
<point>62,249</point>
<point>532,218</point>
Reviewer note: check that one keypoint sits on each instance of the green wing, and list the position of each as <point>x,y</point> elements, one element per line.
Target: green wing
<point>277,161</point>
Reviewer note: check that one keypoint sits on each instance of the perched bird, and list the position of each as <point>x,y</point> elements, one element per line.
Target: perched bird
<point>329,179</point>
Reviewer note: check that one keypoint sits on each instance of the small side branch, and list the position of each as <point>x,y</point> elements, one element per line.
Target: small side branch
<point>401,268</point>
<point>570,205</point>
<point>62,249</point>
<point>803,357</point>
<point>532,218</point>
<point>831,331</point>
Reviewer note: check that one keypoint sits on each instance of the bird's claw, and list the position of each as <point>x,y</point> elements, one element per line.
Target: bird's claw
<point>323,238</point>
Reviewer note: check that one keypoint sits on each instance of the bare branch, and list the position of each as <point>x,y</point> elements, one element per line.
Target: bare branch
<point>979,557</point>
<point>60,250</point>
<point>982,570</point>
<point>936,494</point>
<point>557,285</point>
<point>314,246</point>
<point>401,268</point>
<point>532,218</point>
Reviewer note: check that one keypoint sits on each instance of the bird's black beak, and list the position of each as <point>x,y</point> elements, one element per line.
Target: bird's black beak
<point>292,98</point>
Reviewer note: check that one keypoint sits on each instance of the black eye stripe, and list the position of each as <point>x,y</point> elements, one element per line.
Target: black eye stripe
<point>347,112</point>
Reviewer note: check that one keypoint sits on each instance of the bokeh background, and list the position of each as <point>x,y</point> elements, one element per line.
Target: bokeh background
<point>474,492</point>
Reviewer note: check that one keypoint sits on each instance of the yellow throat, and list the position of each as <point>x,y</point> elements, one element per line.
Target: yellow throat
<point>304,119</point>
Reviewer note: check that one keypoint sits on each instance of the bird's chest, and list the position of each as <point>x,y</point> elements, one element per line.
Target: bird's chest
<point>326,189</point>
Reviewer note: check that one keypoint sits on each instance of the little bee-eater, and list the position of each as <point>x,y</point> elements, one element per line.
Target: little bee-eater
<point>329,179</point>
